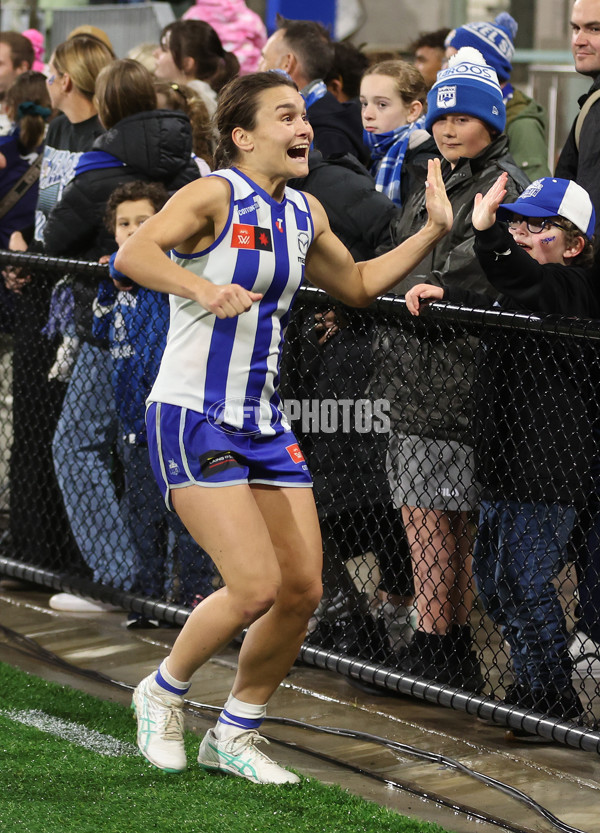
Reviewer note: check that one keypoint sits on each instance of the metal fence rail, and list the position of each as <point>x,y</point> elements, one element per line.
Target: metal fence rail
<point>384,408</point>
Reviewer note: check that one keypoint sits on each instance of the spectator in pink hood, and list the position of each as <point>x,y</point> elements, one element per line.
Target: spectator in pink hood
<point>241,30</point>
<point>37,41</point>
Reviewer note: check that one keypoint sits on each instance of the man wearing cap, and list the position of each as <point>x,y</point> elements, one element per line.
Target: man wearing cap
<point>430,464</point>
<point>579,160</point>
<point>525,119</point>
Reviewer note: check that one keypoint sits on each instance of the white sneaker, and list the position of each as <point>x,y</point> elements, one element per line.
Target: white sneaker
<point>160,725</point>
<point>585,654</point>
<point>78,604</point>
<point>239,756</point>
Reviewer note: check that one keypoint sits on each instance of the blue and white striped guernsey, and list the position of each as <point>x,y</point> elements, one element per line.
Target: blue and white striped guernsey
<point>228,368</point>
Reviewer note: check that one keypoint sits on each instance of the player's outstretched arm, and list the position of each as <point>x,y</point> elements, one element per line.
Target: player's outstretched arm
<point>330,266</point>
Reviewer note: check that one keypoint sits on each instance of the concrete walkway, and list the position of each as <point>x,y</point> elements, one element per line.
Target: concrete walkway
<point>565,781</point>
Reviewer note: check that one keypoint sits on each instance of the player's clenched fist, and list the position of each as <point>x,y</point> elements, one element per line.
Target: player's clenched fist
<point>227,301</point>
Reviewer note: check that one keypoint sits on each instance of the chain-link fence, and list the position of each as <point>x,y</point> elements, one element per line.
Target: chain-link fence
<point>456,466</point>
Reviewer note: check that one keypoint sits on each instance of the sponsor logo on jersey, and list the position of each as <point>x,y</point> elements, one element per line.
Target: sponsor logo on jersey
<point>251,237</point>
<point>248,208</point>
<point>295,453</point>
<point>279,224</point>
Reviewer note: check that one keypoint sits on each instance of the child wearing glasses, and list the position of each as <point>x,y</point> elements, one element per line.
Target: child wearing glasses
<point>532,426</point>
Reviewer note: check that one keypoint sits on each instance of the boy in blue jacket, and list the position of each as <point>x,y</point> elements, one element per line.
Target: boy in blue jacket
<point>135,320</point>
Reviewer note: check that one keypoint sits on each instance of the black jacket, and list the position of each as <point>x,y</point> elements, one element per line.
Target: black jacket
<point>338,371</point>
<point>155,146</point>
<point>338,127</point>
<point>358,214</point>
<point>583,165</point>
<point>453,256</point>
<point>426,374</point>
<point>421,148</point>
<point>533,393</point>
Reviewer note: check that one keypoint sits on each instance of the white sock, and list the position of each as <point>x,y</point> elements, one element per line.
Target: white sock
<point>169,683</point>
<point>237,717</point>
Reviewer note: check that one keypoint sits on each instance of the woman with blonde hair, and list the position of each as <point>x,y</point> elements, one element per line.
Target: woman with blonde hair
<point>74,67</point>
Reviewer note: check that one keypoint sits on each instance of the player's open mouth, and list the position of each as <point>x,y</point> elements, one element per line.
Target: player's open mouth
<point>298,152</point>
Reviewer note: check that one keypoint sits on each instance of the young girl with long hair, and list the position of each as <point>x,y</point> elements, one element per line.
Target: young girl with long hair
<point>393,98</point>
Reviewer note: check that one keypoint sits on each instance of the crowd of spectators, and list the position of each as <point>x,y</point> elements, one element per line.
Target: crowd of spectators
<point>92,145</point>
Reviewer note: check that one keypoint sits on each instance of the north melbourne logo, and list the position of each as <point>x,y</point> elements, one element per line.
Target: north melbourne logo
<point>446,97</point>
<point>303,242</point>
<point>532,190</point>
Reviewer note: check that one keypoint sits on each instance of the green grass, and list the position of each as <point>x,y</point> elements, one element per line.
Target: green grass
<point>51,785</point>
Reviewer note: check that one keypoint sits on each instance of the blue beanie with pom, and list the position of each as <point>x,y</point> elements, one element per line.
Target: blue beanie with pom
<point>494,40</point>
<point>470,87</point>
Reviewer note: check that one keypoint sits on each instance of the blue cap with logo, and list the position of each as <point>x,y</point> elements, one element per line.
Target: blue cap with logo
<point>551,197</point>
<point>494,41</point>
<point>470,87</point>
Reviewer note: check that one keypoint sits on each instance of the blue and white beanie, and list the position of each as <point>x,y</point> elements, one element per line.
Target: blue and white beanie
<point>552,197</point>
<point>494,40</point>
<point>469,86</point>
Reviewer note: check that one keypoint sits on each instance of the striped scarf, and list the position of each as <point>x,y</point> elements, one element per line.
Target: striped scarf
<point>387,156</point>
<point>314,92</point>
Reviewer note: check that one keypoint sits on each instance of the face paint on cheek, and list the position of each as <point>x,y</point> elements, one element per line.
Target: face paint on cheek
<point>548,240</point>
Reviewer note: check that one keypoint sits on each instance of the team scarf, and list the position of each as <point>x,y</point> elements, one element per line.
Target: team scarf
<point>387,156</point>
<point>313,92</point>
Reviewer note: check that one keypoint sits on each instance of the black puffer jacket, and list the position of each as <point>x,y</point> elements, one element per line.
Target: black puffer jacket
<point>338,371</point>
<point>155,146</point>
<point>338,127</point>
<point>358,214</point>
<point>426,373</point>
